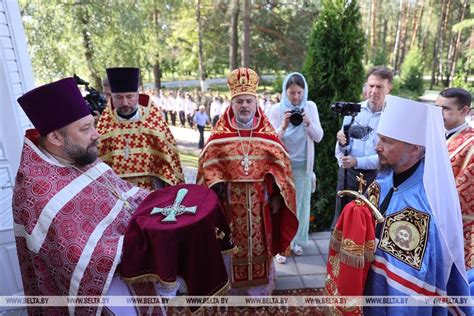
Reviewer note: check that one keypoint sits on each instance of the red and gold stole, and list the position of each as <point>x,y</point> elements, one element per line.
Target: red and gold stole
<point>142,149</point>
<point>257,234</point>
<point>461,153</point>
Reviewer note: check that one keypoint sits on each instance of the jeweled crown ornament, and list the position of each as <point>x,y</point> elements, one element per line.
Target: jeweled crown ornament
<point>242,81</point>
<point>176,209</point>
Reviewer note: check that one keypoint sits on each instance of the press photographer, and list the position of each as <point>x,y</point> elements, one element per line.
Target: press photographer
<point>356,141</point>
<point>296,121</point>
<point>95,100</point>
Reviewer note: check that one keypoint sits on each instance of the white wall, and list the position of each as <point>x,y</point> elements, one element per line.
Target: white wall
<point>16,77</point>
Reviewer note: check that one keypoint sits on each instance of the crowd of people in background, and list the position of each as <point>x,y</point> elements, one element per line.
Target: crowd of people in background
<point>180,107</point>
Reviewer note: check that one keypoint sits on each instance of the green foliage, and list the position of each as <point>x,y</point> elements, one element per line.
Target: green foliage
<point>334,72</point>
<point>145,33</point>
<point>411,74</point>
<point>280,31</point>
<point>464,68</point>
<point>52,40</point>
<point>460,81</point>
<point>121,33</point>
<point>380,58</point>
<point>278,83</point>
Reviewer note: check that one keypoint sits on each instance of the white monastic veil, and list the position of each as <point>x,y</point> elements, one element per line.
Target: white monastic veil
<point>421,124</point>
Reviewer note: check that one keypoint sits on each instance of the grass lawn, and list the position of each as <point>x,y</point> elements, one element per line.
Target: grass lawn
<point>188,158</point>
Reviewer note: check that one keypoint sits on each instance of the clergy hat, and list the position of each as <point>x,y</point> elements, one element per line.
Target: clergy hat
<point>242,81</point>
<point>123,79</point>
<point>54,105</point>
<point>404,120</point>
<point>421,124</point>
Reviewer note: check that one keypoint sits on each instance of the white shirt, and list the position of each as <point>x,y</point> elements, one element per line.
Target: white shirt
<point>215,108</point>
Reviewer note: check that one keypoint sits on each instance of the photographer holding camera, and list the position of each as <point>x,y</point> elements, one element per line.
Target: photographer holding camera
<point>296,121</point>
<point>358,155</point>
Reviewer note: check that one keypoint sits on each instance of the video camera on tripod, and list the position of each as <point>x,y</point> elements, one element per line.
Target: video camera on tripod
<point>95,100</point>
<point>351,109</point>
<point>357,131</point>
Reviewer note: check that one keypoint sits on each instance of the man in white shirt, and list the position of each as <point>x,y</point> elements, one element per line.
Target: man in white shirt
<point>215,110</point>
<point>359,156</point>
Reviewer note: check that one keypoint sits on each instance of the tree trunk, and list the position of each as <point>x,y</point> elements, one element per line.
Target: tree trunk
<point>157,72</point>
<point>202,71</point>
<point>471,51</point>
<point>457,44</point>
<point>246,35</point>
<point>444,37</point>
<point>403,33</point>
<point>397,40</point>
<point>373,28</point>
<point>384,36</point>
<point>84,17</point>
<point>436,47</point>
<point>156,66</point>
<point>416,22</point>
<point>366,6</point>
<point>234,35</point>
<point>424,45</point>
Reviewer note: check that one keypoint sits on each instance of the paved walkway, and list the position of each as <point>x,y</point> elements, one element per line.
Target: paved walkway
<point>306,271</point>
<point>187,139</point>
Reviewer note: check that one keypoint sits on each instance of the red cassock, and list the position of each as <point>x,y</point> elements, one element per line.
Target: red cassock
<point>351,251</point>
<point>258,234</point>
<point>461,154</point>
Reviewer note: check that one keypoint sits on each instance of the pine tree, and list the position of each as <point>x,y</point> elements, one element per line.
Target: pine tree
<point>334,71</point>
<point>411,75</point>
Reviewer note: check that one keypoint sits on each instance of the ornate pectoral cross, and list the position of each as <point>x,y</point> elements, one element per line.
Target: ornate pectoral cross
<point>246,164</point>
<point>126,153</point>
<point>176,209</point>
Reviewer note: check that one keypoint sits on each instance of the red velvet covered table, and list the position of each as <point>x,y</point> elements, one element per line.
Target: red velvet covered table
<point>191,247</point>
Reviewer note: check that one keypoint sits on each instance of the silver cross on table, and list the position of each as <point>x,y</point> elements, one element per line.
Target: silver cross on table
<point>176,209</point>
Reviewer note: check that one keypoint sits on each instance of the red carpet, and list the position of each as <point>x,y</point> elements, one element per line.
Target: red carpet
<point>264,310</point>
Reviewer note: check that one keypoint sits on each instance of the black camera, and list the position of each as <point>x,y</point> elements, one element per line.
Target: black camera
<point>296,117</point>
<point>94,99</point>
<point>345,108</point>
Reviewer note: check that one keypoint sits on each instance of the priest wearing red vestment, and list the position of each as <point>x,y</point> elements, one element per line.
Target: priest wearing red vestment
<point>455,103</point>
<point>246,164</point>
<point>70,209</point>
<point>135,138</point>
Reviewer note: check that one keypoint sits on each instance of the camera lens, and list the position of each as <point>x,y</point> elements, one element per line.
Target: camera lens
<point>296,119</point>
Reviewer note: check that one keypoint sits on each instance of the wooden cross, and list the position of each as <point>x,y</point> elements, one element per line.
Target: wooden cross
<point>176,209</point>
